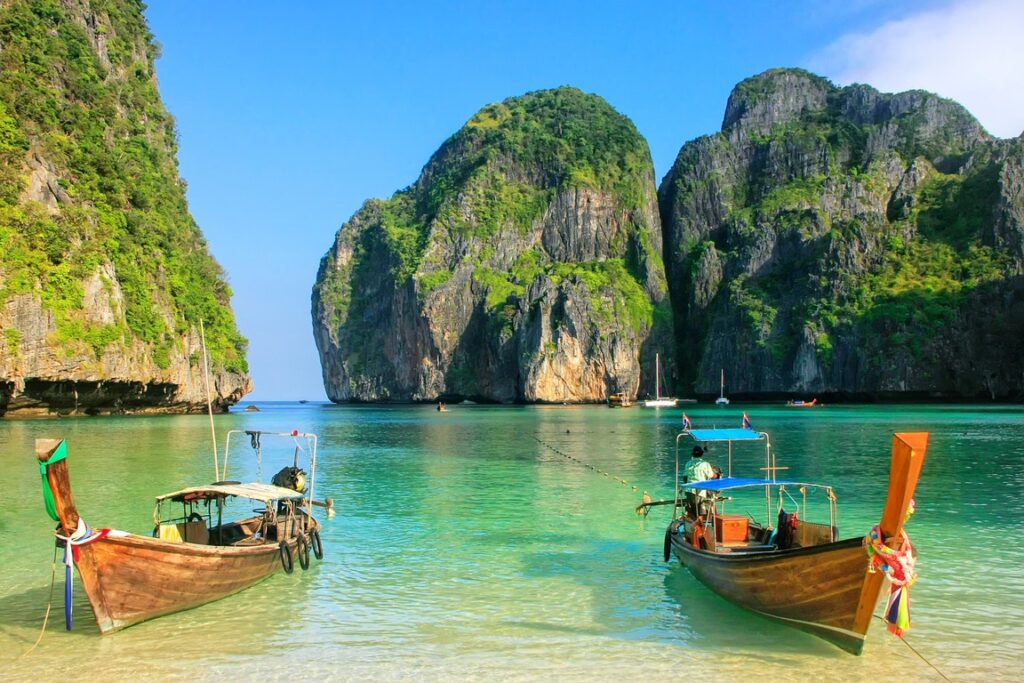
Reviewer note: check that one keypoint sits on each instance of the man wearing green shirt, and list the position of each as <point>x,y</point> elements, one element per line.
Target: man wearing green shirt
<point>698,469</point>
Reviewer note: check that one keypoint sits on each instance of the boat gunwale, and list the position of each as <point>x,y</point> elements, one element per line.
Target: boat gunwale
<point>199,549</point>
<point>754,556</point>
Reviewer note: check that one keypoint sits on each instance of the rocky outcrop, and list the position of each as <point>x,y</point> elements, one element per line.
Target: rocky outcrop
<point>104,276</point>
<point>523,265</point>
<point>846,241</point>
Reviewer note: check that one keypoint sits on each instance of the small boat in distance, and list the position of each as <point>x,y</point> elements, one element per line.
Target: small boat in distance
<point>659,401</point>
<point>797,403</point>
<point>722,400</point>
<point>194,555</point>
<point>620,400</point>
<point>798,573</point>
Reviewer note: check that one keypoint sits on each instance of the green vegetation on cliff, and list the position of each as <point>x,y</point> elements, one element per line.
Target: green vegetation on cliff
<point>855,223</point>
<point>79,107</point>
<point>505,165</point>
<point>530,241</point>
<point>502,170</point>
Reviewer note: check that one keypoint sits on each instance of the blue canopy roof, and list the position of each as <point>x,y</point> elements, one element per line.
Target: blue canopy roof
<point>740,483</point>
<point>726,435</point>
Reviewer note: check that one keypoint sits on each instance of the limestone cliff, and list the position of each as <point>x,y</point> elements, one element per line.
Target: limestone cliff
<point>846,241</point>
<point>104,276</point>
<point>523,265</point>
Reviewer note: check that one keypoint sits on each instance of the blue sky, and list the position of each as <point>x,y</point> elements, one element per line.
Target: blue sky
<point>291,115</point>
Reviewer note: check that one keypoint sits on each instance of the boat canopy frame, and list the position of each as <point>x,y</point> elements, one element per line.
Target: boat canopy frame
<point>729,436</point>
<point>263,493</point>
<point>257,491</point>
<point>255,440</point>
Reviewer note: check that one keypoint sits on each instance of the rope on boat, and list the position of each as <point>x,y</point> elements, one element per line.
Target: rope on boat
<point>923,658</point>
<point>49,604</point>
<point>596,470</point>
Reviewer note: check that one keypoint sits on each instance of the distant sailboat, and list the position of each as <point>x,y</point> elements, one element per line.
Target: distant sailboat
<point>659,401</point>
<point>722,400</point>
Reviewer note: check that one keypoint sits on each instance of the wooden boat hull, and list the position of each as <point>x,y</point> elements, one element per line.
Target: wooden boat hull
<point>129,579</point>
<point>816,589</point>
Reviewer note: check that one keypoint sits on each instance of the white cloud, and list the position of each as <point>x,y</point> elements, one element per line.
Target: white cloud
<point>969,50</point>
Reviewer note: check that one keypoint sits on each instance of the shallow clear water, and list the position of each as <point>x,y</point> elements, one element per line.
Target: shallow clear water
<point>464,548</point>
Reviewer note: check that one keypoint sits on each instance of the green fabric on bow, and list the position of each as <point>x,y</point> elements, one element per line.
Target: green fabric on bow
<point>59,454</point>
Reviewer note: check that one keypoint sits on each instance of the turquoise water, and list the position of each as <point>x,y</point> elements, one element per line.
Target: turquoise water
<point>464,548</point>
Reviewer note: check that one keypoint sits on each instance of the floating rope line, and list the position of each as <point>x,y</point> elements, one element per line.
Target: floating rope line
<point>923,658</point>
<point>580,462</point>
<point>596,470</point>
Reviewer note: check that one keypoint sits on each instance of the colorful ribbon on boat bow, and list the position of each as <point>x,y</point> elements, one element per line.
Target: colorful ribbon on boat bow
<point>82,535</point>
<point>898,566</point>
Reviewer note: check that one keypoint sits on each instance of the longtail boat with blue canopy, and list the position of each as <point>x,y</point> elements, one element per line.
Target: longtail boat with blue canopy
<point>196,553</point>
<point>784,566</point>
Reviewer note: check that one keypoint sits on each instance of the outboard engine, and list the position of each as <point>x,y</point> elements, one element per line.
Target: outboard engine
<point>293,478</point>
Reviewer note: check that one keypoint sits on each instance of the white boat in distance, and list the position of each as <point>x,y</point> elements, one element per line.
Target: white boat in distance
<point>722,400</point>
<point>659,401</point>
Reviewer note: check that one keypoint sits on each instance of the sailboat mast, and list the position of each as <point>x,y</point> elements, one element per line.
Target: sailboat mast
<point>657,375</point>
<point>721,389</point>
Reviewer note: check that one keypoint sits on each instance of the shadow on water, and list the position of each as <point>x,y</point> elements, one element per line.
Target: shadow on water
<point>21,614</point>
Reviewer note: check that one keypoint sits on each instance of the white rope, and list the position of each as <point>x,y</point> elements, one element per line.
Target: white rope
<point>49,604</point>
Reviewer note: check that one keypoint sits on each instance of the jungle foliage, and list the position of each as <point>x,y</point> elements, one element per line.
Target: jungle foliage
<point>84,102</point>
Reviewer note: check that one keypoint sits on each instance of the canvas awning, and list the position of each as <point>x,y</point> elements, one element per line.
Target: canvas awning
<point>729,483</point>
<point>254,491</point>
<point>726,435</point>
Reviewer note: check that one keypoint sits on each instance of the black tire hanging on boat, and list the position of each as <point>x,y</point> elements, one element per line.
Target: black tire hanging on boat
<point>302,550</point>
<point>318,546</point>
<point>287,563</point>
<point>668,543</point>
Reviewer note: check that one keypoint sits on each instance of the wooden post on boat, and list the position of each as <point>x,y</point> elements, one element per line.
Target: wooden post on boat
<point>908,451</point>
<point>59,482</point>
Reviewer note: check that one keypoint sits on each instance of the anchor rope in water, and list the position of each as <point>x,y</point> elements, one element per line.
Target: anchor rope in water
<point>914,650</point>
<point>49,604</point>
<point>576,460</point>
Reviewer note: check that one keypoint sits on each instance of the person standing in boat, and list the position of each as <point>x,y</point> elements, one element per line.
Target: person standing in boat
<point>698,469</point>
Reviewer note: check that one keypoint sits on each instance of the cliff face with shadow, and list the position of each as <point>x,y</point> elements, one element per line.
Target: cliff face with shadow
<point>524,264</point>
<point>847,241</point>
<point>104,275</point>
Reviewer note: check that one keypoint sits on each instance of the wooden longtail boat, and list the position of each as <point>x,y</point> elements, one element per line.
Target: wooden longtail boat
<point>620,400</point>
<point>189,561</point>
<point>798,403</point>
<point>799,574</point>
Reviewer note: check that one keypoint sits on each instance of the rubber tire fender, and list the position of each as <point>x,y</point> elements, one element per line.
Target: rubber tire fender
<point>287,563</point>
<point>318,546</point>
<point>668,543</point>
<point>302,551</point>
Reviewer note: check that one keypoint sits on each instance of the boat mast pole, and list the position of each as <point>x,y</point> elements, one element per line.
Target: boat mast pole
<point>770,475</point>
<point>675,507</point>
<point>657,376</point>
<point>209,404</point>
